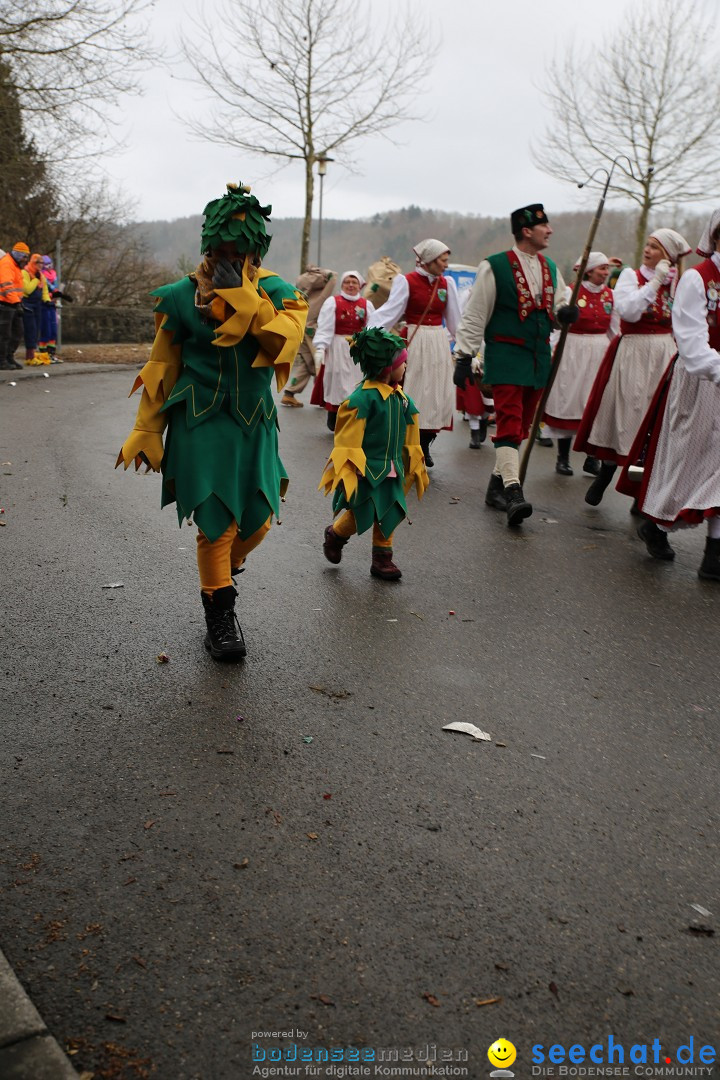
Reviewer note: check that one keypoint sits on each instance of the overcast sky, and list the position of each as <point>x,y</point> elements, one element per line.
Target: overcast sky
<point>471,155</point>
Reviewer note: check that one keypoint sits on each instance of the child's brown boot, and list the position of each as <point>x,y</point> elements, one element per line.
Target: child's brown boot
<point>332,548</point>
<point>382,565</point>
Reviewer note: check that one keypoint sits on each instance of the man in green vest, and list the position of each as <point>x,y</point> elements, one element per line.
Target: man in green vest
<point>516,298</point>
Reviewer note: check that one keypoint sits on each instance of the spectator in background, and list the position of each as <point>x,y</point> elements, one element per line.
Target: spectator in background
<point>616,268</point>
<point>316,285</point>
<point>35,293</point>
<point>48,317</point>
<point>11,294</point>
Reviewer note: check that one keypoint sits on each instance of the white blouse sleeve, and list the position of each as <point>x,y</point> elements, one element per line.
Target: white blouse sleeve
<point>476,313</point>
<point>452,307</point>
<point>690,328</point>
<point>392,311</point>
<point>631,299</point>
<point>614,327</point>
<point>326,324</point>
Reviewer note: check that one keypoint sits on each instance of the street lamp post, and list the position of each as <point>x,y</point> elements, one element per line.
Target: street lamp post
<point>322,160</point>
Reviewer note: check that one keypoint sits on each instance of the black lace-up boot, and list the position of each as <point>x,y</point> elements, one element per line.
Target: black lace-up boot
<point>518,508</point>
<point>224,639</point>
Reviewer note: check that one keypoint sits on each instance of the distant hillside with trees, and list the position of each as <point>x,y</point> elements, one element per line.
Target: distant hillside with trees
<point>356,244</point>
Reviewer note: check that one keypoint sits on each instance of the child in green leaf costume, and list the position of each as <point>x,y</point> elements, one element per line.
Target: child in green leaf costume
<point>222,333</point>
<point>377,455</point>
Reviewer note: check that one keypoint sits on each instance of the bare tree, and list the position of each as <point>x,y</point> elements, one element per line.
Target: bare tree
<point>105,259</point>
<point>69,60</point>
<point>299,82</point>
<point>648,91</point>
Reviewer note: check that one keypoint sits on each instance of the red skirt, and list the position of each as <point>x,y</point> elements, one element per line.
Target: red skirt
<point>318,396</point>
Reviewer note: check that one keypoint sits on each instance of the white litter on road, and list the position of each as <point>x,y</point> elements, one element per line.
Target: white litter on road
<point>469,729</point>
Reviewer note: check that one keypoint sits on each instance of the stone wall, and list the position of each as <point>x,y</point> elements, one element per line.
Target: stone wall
<point>104,325</point>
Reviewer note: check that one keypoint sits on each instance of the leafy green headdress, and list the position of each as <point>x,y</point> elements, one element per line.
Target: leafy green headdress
<point>237,217</point>
<point>374,349</point>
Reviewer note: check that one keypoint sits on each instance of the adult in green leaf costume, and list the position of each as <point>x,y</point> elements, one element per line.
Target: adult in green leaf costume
<point>222,333</point>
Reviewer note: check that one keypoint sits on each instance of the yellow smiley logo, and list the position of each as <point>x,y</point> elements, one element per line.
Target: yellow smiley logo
<point>502,1053</point>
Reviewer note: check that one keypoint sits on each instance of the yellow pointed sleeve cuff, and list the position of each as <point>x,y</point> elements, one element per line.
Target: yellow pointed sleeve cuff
<point>347,460</point>
<point>414,461</point>
<point>279,333</point>
<point>157,379</point>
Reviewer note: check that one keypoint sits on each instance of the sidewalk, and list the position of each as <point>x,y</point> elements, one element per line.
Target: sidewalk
<point>27,1049</point>
<point>62,369</point>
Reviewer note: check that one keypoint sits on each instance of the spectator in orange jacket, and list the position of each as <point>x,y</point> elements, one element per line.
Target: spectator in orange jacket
<point>11,295</point>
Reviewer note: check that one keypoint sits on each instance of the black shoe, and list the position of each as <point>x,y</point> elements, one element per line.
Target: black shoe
<point>635,509</point>
<point>426,438</point>
<point>483,429</point>
<point>562,465</point>
<point>224,639</point>
<point>656,541</point>
<point>543,441</point>
<point>595,492</point>
<point>4,366</point>
<point>710,566</point>
<point>333,545</point>
<point>495,495</point>
<point>517,508</point>
<point>591,466</point>
<point>15,365</point>
<point>331,420</point>
<point>475,440</point>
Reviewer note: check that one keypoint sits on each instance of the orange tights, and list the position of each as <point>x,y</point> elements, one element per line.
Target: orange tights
<point>346,526</point>
<point>216,560</point>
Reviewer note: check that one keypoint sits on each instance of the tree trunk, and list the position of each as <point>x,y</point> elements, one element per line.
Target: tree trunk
<point>307,223</point>
<point>641,231</point>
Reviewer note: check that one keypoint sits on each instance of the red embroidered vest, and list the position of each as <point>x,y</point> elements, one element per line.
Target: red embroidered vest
<point>526,301</point>
<point>657,318</point>
<point>595,311</point>
<point>420,291</point>
<point>350,315</point>
<point>710,274</point>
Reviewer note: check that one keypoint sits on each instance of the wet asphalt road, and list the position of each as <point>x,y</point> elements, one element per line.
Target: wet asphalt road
<point>183,868</point>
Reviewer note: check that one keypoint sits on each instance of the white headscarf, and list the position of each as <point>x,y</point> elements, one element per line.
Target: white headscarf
<point>672,242</point>
<point>429,250</point>
<point>706,246</point>
<point>595,259</point>
<point>347,274</point>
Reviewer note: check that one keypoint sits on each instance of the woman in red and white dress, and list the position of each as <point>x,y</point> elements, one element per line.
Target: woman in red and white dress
<point>424,300</point>
<point>585,347</point>
<point>340,317</point>
<point>679,441</point>
<point>636,359</point>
